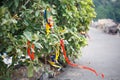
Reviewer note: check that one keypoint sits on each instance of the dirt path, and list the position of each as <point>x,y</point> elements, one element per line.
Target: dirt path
<point>102,54</point>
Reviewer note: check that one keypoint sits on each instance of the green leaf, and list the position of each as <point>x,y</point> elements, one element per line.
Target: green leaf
<point>69,13</point>
<point>35,37</point>
<point>66,42</point>
<point>2,11</point>
<point>37,13</point>
<point>38,45</point>
<point>9,49</point>
<point>28,35</point>
<point>13,20</point>
<point>30,70</point>
<point>20,53</point>
<point>53,12</point>
<point>54,35</point>
<point>16,3</point>
<point>26,23</point>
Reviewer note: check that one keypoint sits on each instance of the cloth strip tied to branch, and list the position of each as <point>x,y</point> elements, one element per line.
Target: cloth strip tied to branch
<point>49,21</point>
<point>30,50</point>
<point>77,65</point>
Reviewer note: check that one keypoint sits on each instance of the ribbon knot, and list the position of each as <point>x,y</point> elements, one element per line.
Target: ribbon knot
<point>30,50</point>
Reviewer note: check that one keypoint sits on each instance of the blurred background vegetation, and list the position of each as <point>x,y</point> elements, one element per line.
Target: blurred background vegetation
<point>107,9</point>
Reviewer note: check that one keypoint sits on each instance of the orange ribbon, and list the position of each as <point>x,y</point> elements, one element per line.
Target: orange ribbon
<point>50,21</point>
<point>76,65</point>
<point>30,50</point>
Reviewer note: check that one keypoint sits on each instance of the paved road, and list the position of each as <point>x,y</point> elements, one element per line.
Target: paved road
<point>102,54</point>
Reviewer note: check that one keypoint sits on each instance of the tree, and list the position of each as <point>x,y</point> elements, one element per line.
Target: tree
<point>27,29</point>
<point>107,9</point>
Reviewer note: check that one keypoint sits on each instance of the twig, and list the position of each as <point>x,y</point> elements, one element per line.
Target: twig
<point>26,2</point>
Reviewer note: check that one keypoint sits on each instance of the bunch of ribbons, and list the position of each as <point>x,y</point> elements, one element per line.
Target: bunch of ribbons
<point>49,21</point>
<point>54,59</point>
<point>30,50</point>
<point>49,25</point>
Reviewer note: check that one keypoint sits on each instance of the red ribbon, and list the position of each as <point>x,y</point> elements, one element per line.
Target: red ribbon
<point>30,50</point>
<point>76,65</point>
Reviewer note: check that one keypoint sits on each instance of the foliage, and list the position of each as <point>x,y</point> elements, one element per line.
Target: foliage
<point>107,9</point>
<point>23,20</point>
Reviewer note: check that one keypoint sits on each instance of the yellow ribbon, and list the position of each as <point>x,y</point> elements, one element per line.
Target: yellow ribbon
<point>47,28</point>
<point>57,53</point>
<point>54,64</point>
